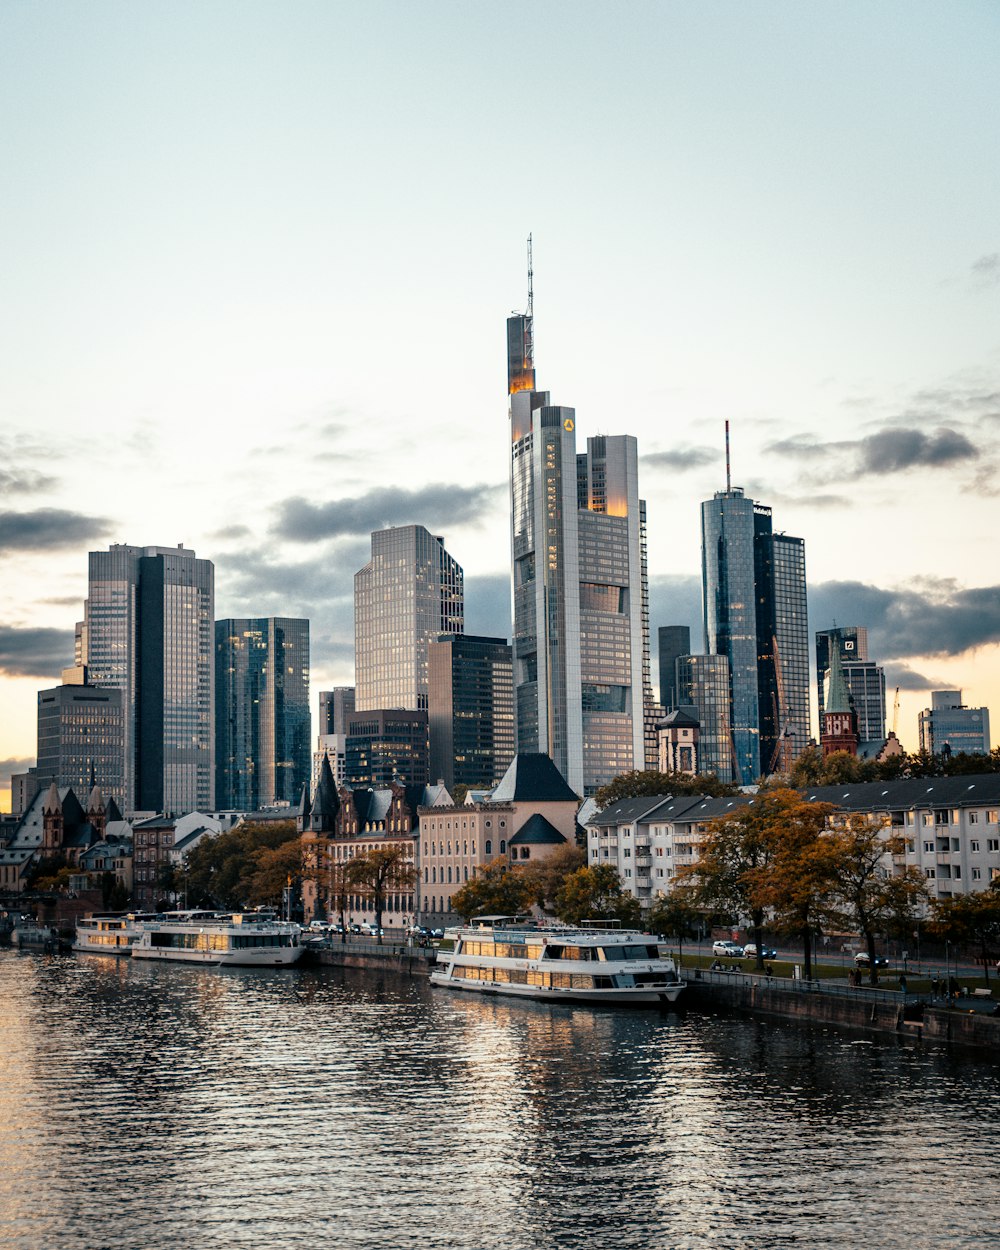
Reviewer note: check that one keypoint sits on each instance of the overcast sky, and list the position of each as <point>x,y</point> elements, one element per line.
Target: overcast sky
<point>256,261</point>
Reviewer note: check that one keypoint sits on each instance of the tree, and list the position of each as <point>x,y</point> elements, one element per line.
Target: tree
<point>496,889</point>
<point>546,876</point>
<point>273,868</point>
<point>637,784</point>
<point>802,879</point>
<point>379,872</point>
<point>678,915</point>
<point>219,868</point>
<point>873,897</point>
<point>969,919</point>
<point>596,894</point>
<point>747,862</point>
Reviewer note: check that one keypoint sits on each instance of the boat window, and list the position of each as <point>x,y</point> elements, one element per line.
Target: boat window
<point>534,950</point>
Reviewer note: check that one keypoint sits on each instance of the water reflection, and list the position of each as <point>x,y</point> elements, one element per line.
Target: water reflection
<point>153,1105</point>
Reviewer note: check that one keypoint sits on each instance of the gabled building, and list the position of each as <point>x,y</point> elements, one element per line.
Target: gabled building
<point>55,824</point>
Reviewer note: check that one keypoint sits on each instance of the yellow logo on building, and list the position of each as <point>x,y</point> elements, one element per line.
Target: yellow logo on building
<point>568,425</point>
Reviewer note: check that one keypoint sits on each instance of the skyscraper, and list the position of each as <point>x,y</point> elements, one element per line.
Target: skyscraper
<point>149,620</point>
<point>262,734</point>
<point>470,710</point>
<point>754,588</point>
<point>409,592</point>
<point>703,683</point>
<point>81,736</point>
<point>949,727</point>
<point>581,617</point>
<point>674,641</point>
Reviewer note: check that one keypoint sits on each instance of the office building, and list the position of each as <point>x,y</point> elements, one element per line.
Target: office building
<point>754,591</point>
<point>581,616</point>
<point>262,722</point>
<point>409,592</point>
<point>673,641</point>
<point>331,742</point>
<point>387,745</point>
<point>81,736</point>
<point>149,632</point>
<point>948,727</point>
<point>703,691</point>
<point>470,710</point>
<point>864,678</point>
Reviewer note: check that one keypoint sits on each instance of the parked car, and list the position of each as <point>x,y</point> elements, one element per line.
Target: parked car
<point>729,950</point>
<point>861,959</point>
<point>767,952</point>
<point>437,933</point>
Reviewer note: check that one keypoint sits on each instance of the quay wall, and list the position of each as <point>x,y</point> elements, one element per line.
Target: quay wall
<point>409,960</point>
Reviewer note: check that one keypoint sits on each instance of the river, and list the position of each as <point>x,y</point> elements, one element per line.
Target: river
<point>158,1107</point>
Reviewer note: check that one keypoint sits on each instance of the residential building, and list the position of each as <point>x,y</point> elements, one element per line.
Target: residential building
<point>160,843</point>
<point>702,684</point>
<point>148,632</point>
<point>470,709</point>
<point>81,736</point>
<point>865,679</point>
<point>754,592</point>
<point>673,642</point>
<point>387,745</point>
<point>409,593</point>
<point>581,614</point>
<point>262,722</point>
<point>948,727</point>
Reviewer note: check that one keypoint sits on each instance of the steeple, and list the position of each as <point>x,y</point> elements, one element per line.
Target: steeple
<point>837,697</point>
<point>326,803</point>
<point>839,730</point>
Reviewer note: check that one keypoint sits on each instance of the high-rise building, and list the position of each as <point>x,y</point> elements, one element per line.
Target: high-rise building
<point>262,722</point>
<point>864,678</point>
<point>334,708</point>
<point>581,613</point>
<point>674,641</point>
<point>703,684</point>
<point>386,745</point>
<point>81,736</point>
<point>948,727</point>
<point>409,592</point>
<point>470,710</point>
<point>148,632</point>
<point>754,589</point>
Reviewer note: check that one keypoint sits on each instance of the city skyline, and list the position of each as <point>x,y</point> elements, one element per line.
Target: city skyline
<point>241,273</point>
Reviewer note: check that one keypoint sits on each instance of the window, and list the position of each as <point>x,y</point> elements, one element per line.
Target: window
<point>627,852</point>
<point>974,846</point>
<point>928,848</point>
<point>489,845</point>
<point>977,874</point>
<point>955,844</point>
<point>973,818</point>
<point>525,852</point>
<point>929,874</point>
<point>993,844</point>
<point>503,846</point>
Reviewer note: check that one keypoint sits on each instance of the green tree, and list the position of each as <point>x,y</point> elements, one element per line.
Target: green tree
<point>637,784</point>
<point>873,897</point>
<point>219,868</point>
<point>596,894</point>
<point>496,889</point>
<point>969,920</point>
<point>677,914</point>
<point>546,876</point>
<point>380,872</point>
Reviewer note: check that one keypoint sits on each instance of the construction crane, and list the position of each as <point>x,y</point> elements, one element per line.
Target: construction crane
<point>895,713</point>
<point>781,760</point>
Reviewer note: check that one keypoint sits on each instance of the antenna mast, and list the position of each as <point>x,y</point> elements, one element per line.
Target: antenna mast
<point>727,459</point>
<point>531,282</point>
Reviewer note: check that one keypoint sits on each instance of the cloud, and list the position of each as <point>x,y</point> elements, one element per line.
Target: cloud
<point>436,506</point>
<point>895,449</point>
<point>34,652</point>
<point>906,678</point>
<point>24,481</point>
<point>487,605</point>
<point>49,529</point>
<point>10,766</point>
<point>925,618</point>
<point>229,533</point>
<point>255,583</point>
<point>986,270</point>
<point>680,458</point>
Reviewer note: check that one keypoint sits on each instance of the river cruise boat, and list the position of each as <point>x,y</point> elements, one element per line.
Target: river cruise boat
<point>111,934</point>
<point>590,964</point>
<point>240,940</point>
<point>28,934</point>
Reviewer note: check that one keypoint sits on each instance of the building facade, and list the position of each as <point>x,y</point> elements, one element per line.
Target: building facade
<point>81,736</point>
<point>949,727</point>
<point>149,632</point>
<point>703,685</point>
<point>579,587</point>
<point>262,721</point>
<point>673,641</point>
<point>386,746</point>
<point>470,709</point>
<point>409,593</point>
<point>865,679</point>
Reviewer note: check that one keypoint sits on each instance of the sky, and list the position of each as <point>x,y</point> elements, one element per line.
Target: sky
<point>256,261</point>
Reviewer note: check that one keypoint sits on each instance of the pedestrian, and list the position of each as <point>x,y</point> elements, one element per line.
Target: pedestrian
<point>902,982</point>
<point>934,984</point>
<point>767,971</point>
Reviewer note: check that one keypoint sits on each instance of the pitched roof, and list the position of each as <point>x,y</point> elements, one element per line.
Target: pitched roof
<point>678,717</point>
<point>537,831</point>
<point>911,792</point>
<point>533,779</point>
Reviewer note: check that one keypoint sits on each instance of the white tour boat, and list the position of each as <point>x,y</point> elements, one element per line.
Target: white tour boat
<point>110,934</point>
<point>590,964</point>
<point>241,939</point>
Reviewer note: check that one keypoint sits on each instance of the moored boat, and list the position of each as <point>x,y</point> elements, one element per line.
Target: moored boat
<point>28,934</point>
<point>237,939</point>
<point>590,964</point>
<point>110,934</point>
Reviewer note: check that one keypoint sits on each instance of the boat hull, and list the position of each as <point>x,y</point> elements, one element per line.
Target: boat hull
<point>267,958</point>
<point>640,996</point>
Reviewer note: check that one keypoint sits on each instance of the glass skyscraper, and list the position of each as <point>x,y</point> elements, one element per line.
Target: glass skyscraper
<point>81,734</point>
<point>581,620</point>
<point>149,620</point>
<point>470,710</point>
<point>703,684</point>
<point>754,588</point>
<point>406,595</point>
<point>262,721</point>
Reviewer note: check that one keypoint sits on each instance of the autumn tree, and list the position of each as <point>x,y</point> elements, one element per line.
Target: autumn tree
<point>637,784</point>
<point>379,872</point>
<point>596,894</point>
<point>273,869</point>
<point>219,868</point>
<point>968,920</point>
<point>546,876</point>
<point>496,889</point>
<point>677,914</point>
<point>873,896</point>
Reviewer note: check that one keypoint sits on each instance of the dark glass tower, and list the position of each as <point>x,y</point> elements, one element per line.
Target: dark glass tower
<point>470,710</point>
<point>674,641</point>
<point>262,738</point>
